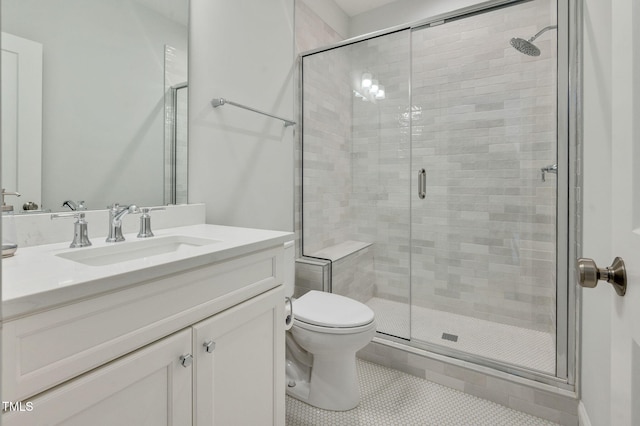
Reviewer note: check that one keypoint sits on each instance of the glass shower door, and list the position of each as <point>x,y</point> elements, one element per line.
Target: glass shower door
<point>356,172</point>
<point>484,127</point>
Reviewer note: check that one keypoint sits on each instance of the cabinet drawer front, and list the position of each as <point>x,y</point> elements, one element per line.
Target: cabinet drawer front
<point>147,387</point>
<point>45,349</point>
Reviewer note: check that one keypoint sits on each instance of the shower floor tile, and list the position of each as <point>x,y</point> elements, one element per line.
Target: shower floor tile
<point>390,397</point>
<point>514,345</point>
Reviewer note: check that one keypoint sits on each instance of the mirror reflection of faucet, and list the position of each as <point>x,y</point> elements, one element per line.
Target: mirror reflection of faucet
<point>74,206</point>
<point>9,234</point>
<point>553,168</point>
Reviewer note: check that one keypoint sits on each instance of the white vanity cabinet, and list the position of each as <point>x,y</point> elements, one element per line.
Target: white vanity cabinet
<point>201,346</point>
<point>225,370</point>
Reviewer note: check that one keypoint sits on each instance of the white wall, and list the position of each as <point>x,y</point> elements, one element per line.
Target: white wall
<point>596,314</point>
<point>241,163</point>
<point>331,14</point>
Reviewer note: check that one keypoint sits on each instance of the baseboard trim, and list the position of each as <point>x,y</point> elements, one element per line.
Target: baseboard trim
<point>583,417</point>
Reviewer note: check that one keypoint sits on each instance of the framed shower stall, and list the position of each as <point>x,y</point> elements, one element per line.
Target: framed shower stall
<point>437,161</point>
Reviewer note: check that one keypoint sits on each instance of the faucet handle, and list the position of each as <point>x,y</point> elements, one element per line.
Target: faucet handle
<point>80,229</point>
<point>145,221</point>
<point>552,168</point>
<point>146,210</point>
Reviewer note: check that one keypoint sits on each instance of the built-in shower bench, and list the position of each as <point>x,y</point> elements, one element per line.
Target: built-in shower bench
<point>345,268</point>
<point>341,250</point>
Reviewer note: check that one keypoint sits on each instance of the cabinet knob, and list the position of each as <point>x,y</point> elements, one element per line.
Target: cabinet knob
<point>186,360</point>
<point>209,346</point>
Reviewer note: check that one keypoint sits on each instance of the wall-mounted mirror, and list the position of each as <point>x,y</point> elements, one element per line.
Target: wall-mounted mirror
<point>94,101</point>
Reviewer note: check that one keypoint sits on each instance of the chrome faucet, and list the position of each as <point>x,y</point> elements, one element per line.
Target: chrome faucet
<point>116,213</point>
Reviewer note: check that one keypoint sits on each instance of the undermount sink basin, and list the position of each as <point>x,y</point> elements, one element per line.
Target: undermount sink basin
<point>125,251</point>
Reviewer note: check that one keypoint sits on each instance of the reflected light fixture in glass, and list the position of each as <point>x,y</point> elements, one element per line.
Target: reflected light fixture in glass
<point>366,80</point>
<point>374,87</point>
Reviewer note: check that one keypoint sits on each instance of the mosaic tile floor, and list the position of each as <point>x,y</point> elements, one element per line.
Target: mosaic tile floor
<point>390,398</point>
<point>515,345</point>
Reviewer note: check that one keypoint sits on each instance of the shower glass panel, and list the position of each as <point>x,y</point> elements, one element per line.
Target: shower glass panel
<point>483,257</point>
<point>356,172</point>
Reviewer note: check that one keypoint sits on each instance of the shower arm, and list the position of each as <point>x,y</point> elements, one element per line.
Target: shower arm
<point>542,31</point>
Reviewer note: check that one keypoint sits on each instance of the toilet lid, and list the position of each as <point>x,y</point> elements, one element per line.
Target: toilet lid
<point>331,310</point>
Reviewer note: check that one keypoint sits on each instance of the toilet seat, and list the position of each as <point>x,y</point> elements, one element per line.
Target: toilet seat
<point>321,311</point>
<point>333,330</point>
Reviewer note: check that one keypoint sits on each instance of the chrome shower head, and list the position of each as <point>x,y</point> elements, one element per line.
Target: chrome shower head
<point>526,46</point>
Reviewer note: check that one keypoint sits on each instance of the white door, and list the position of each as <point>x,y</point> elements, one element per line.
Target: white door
<point>21,118</point>
<point>610,323</point>
<point>625,113</point>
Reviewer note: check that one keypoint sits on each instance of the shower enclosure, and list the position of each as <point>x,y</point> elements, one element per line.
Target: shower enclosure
<point>435,176</point>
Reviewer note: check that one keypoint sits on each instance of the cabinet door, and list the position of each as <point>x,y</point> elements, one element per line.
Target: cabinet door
<point>147,387</point>
<point>240,380</point>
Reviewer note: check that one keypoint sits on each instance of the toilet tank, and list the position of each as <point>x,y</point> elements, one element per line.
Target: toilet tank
<point>289,268</point>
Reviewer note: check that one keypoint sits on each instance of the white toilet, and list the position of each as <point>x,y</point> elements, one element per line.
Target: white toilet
<point>327,331</point>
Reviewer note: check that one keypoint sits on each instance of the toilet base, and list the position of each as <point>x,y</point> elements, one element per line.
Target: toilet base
<point>334,383</point>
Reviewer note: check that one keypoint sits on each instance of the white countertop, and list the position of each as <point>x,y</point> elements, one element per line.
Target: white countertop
<point>36,279</point>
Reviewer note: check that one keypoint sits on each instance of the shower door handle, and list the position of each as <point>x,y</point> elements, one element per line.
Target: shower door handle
<point>422,184</point>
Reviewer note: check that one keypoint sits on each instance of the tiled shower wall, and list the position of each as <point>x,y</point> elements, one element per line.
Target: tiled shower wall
<point>484,237</point>
<point>483,124</point>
